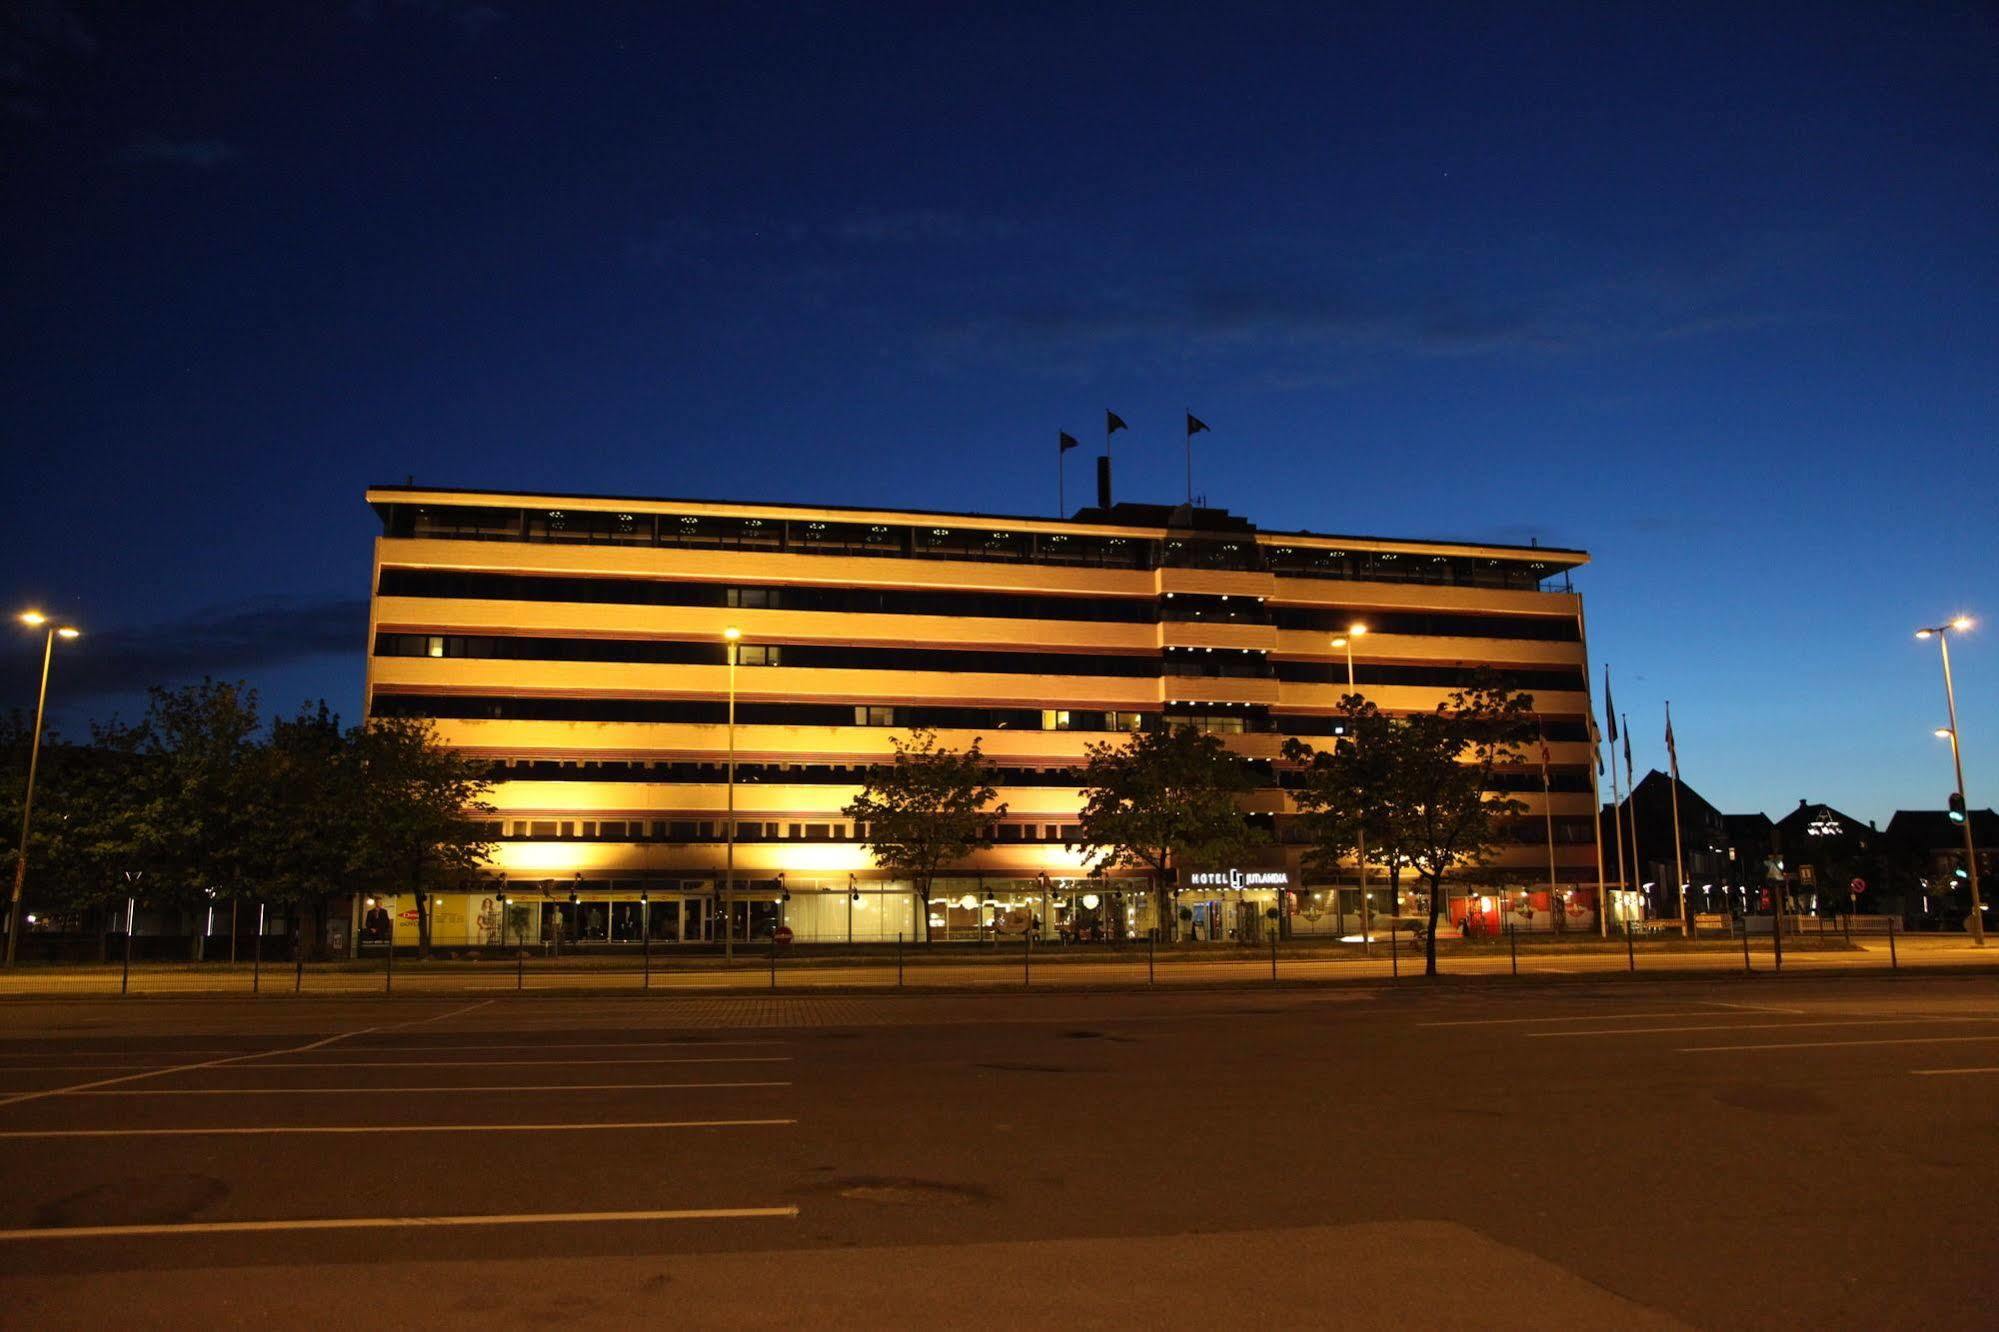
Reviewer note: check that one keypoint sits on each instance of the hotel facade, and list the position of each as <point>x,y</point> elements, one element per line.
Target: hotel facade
<point>577,644</point>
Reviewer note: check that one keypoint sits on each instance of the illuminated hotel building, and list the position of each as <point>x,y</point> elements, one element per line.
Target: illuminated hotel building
<point>577,642</point>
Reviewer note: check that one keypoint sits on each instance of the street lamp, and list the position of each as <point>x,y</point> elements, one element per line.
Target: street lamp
<point>733,636</point>
<point>1941,633</point>
<point>1355,630</point>
<point>34,619</point>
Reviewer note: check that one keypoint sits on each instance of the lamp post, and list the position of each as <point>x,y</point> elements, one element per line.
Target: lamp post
<point>34,619</point>
<point>1355,630</point>
<point>733,636</point>
<point>1941,633</point>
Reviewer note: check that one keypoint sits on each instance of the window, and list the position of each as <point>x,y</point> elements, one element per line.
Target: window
<point>874,716</point>
<point>761,598</point>
<point>433,646</point>
<point>756,654</point>
<point>1055,719</point>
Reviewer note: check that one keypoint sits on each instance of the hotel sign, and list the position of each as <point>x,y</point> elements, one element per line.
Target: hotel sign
<point>1240,879</point>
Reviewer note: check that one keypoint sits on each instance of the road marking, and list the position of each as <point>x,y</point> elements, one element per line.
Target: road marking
<point>559,1045</point>
<point>1951,1072</point>
<point>397,1222</point>
<point>436,1017</point>
<point>520,1063</point>
<point>1584,1017</point>
<point>402,1091</point>
<point>295,1129</point>
<point>1757,1026</point>
<point>18,1097</point>
<point>114,1054</point>
<point>1751,1008</point>
<point>1821,1045</point>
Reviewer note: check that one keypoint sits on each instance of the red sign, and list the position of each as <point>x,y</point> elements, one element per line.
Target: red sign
<point>1857,887</point>
<point>782,934</point>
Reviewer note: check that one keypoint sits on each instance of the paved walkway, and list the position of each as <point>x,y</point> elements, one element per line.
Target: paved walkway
<point>1007,968</point>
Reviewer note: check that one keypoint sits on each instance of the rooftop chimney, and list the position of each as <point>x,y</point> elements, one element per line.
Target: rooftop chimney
<point>1104,481</point>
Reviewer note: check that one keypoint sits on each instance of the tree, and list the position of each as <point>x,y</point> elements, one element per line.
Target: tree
<point>926,810</point>
<point>419,809</point>
<point>1355,794</point>
<point>1160,799</point>
<point>305,818</point>
<point>1446,763</point>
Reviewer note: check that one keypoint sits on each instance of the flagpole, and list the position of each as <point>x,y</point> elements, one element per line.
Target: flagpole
<point>1679,868</point>
<point>1061,480</point>
<point>1189,426</point>
<point>1631,792</point>
<point>1617,829</point>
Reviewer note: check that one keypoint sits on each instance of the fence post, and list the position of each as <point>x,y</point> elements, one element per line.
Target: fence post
<point>1273,954</point>
<point>257,954</point>
<point>1513,947</point>
<point>131,909</point>
<point>1893,964</point>
<point>1630,952</point>
<point>1027,957</point>
<point>298,952</point>
<point>1777,937</point>
<point>1394,952</point>
<point>898,959</point>
<point>773,958</point>
<point>1151,956</point>
<point>1746,965</point>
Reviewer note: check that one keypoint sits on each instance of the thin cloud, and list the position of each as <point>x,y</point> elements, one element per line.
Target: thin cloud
<point>199,154</point>
<point>225,640</point>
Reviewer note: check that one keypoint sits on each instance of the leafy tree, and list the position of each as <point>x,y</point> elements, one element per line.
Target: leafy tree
<point>1161,799</point>
<point>1354,794</point>
<point>926,810</point>
<point>419,806</point>
<point>304,822</point>
<point>186,818</point>
<point>1443,785</point>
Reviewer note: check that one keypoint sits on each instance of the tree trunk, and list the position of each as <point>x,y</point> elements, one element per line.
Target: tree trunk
<point>919,924</point>
<point>422,915</point>
<point>1430,936</point>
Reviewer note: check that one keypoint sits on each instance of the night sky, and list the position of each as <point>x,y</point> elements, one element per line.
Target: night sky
<point>1710,291</point>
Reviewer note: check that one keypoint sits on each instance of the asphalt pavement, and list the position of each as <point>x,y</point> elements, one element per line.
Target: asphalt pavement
<point>1774,1152</point>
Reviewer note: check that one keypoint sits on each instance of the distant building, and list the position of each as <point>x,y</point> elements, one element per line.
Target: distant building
<point>1924,851</point>
<point>1648,817</point>
<point>1825,854</point>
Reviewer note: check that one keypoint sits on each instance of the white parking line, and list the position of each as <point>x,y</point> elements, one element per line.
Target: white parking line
<point>114,1054</point>
<point>1951,1072</point>
<point>293,1129</point>
<point>553,1045</point>
<point>1757,1026</point>
<point>404,1091</point>
<point>1582,1017</point>
<point>397,1222</point>
<point>519,1063</point>
<point>1823,1045</point>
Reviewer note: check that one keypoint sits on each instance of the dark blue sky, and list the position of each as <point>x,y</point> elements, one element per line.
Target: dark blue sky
<point>1710,291</point>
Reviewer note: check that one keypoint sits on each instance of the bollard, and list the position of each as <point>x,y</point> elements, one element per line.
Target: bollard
<point>1630,953</point>
<point>1746,967</point>
<point>125,982</point>
<point>1513,947</point>
<point>1893,965</point>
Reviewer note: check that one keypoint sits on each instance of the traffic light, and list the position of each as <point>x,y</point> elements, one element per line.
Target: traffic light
<point>1956,807</point>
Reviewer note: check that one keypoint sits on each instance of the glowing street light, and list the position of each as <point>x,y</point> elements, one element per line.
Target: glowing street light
<point>1355,630</point>
<point>1942,633</point>
<point>34,619</point>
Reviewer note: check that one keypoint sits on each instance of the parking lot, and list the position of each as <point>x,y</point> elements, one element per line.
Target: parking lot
<point>1740,1153</point>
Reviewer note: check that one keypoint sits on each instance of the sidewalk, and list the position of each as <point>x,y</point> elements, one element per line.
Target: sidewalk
<point>1009,967</point>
